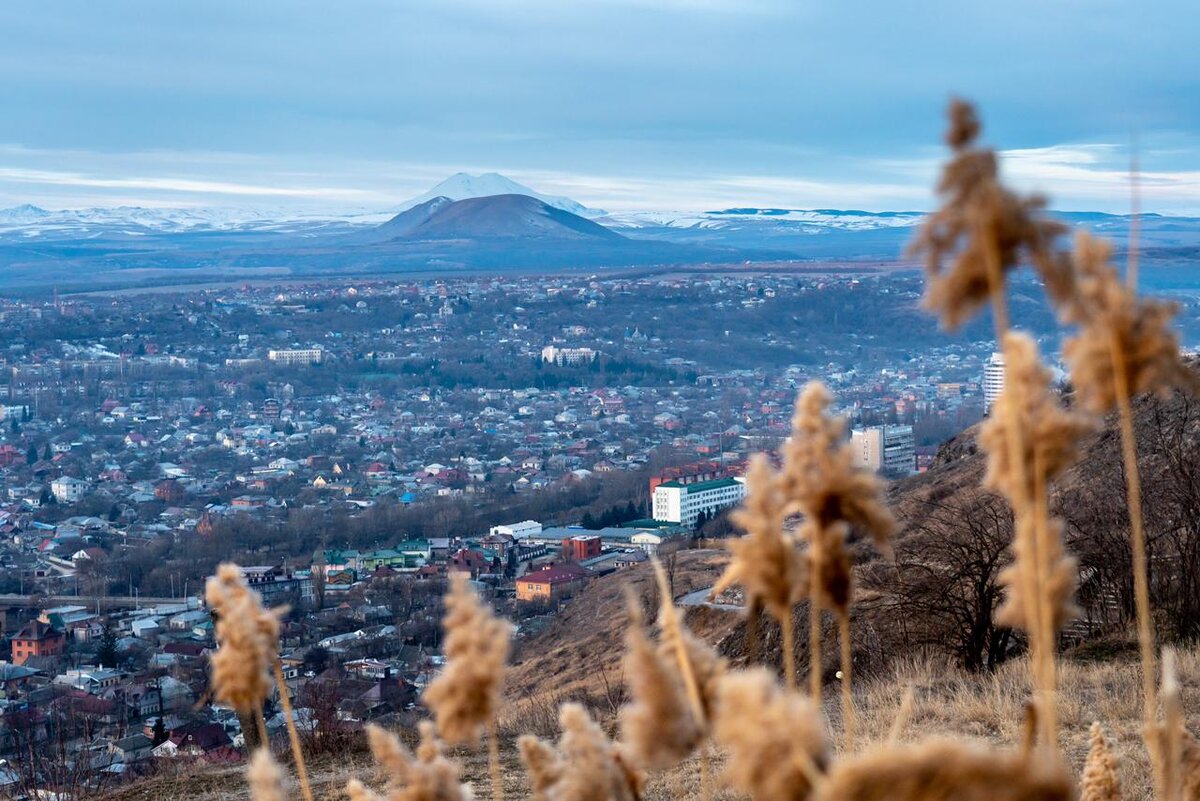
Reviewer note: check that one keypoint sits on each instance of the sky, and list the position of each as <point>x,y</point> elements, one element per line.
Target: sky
<point>619,104</point>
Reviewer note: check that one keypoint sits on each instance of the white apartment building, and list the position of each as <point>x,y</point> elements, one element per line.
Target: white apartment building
<point>993,380</point>
<point>889,449</point>
<point>683,503</point>
<point>67,489</point>
<point>296,355</point>
<point>518,531</point>
<point>9,412</point>
<point>572,356</point>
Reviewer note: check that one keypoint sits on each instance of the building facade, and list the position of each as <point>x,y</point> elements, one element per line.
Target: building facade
<point>993,380</point>
<point>296,355</point>
<point>684,503</point>
<point>885,449</point>
<point>572,356</point>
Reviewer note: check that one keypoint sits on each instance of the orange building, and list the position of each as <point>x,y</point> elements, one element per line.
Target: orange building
<point>551,583</point>
<point>36,639</point>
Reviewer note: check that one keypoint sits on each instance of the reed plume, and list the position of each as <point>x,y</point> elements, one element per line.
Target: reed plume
<point>1125,346</point>
<point>658,725</point>
<point>666,719</point>
<point>1053,432</point>
<point>586,766</point>
<point>426,776</point>
<point>766,561</point>
<point>1101,779</point>
<point>465,695</point>
<point>248,640</point>
<point>945,770</point>
<point>773,736</point>
<point>542,765</point>
<point>981,231</point>
<point>265,777</point>
<point>819,480</point>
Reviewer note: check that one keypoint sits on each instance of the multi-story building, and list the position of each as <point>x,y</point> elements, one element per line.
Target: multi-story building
<point>993,380</point>
<point>296,355</point>
<point>572,356</point>
<point>684,503</point>
<point>886,449</point>
<point>67,489</point>
<point>36,639</point>
<point>580,547</point>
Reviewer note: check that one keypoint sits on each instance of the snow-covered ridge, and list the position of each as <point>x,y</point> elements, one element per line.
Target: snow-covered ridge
<point>848,220</point>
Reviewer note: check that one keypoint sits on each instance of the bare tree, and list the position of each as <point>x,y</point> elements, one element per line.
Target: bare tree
<point>943,591</point>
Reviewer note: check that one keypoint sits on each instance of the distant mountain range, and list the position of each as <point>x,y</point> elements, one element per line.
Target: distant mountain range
<point>484,222</point>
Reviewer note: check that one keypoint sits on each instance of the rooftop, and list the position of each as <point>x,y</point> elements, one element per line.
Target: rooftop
<point>702,486</point>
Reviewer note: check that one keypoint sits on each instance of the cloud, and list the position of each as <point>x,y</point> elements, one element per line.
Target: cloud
<point>182,185</point>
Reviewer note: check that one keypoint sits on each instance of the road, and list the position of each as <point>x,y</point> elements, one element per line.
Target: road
<point>106,602</point>
<point>700,598</point>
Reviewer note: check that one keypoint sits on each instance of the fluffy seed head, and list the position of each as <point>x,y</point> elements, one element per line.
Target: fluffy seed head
<point>819,478</point>
<point>542,765</point>
<point>765,561</point>
<point>1050,433</point>
<point>1111,316</point>
<point>465,695</point>
<point>586,767</point>
<point>428,776</point>
<point>773,737</point>
<point>980,222</point>
<point>1058,587</point>
<point>1101,780</point>
<point>248,636</point>
<point>659,728</point>
<point>657,725</point>
<point>828,566</point>
<point>944,770</point>
<point>265,777</point>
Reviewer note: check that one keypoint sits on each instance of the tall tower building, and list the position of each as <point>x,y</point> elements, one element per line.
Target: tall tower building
<point>993,380</point>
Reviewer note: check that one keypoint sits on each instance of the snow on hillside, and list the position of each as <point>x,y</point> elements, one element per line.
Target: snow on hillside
<point>792,218</point>
<point>462,186</point>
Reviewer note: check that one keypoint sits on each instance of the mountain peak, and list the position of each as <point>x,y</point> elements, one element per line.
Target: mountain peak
<point>492,217</point>
<point>464,186</point>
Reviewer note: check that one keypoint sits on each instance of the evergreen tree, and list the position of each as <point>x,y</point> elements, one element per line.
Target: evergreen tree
<point>159,735</point>
<point>107,653</point>
<point>31,455</point>
<point>15,426</point>
<point>47,454</point>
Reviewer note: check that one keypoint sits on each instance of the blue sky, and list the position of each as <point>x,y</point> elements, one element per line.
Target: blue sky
<point>621,104</point>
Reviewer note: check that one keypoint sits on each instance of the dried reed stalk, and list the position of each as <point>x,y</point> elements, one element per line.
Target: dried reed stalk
<point>1101,779</point>
<point>465,695</point>
<point>293,734</point>
<point>849,719</point>
<point>981,232</point>
<point>765,561</point>
<point>1125,346</point>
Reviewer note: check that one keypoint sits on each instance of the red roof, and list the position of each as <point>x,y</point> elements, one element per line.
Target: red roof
<point>559,574</point>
